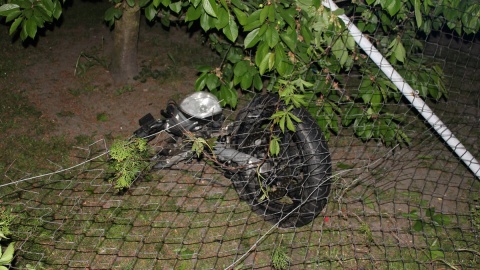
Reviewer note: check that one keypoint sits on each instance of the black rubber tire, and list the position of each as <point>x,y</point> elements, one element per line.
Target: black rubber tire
<point>299,183</point>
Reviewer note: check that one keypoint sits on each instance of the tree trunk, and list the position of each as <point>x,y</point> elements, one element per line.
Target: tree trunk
<point>124,64</point>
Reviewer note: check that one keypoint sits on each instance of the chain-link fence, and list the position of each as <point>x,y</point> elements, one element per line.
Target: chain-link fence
<point>396,207</point>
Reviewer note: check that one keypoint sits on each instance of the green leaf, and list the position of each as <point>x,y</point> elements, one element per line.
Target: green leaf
<point>340,51</point>
<point>222,18</point>
<point>252,38</point>
<point>210,7</point>
<point>418,225</point>
<point>339,11</point>
<point>231,30</point>
<point>290,124</point>
<point>30,27</point>
<point>306,33</point>
<point>271,61</point>
<point>240,15</point>
<point>392,6</point>
<point>7,255</point>
<point>246,81</point>
<point>430,212</point>
<point>376,99</point>
<point>15,25</point>
<point>150,13</point>
<point>264,13</point>
<point>200,82</point>
<point>205,21</point>
<point>176,6</point>
<point>274,146</point>
<point>400,53</point>
<point>281,123</point>
<point>436,254</point>
<point>271,36</point>
<point>131,3</point>
<point>165,3</point>
<point>441,220</point>
<point>57,9</point>
<point>351,114</point>
<point>195,3</point>
<point>211,81</point>
<point>257,82</point>
<point>418,13</point>
<point>14,13</point>
<point>271,14</point>
<point>280,61</point>
<point>288,16</point>
<point>239,4</point>
<point>252,21</point>
<point>156,3</point>
<point>111,14</point>
<point>290,39</point>
<point>241,68</point>
<point>252,25</point>
<point>228,96</point>
<point>193,13</point>
<point>266,63</point>
<point>5,9</point>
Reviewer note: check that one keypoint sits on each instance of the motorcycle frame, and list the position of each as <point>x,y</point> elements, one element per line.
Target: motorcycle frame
<point>178,123</point>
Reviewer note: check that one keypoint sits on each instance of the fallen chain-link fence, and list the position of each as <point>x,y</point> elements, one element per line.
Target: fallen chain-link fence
<point>415,207</point>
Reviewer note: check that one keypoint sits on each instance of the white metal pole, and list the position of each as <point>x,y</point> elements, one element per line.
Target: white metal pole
<point>411,95</point>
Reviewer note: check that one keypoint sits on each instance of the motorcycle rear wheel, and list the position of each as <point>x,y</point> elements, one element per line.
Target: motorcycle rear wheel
<point>295,190</point>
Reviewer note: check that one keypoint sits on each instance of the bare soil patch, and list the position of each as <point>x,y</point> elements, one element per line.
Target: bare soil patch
<point>66,80</point>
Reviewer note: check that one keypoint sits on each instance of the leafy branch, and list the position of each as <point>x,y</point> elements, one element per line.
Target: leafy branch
<point>199,144</point>
<point>284,118</point>
<point>128,158</point>
<point>431,220</point>
<point>301,50</point>
<point>6,256</point>
<point>280,259</point>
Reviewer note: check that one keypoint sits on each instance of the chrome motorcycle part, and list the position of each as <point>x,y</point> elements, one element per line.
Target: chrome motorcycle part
<point>201,105</point>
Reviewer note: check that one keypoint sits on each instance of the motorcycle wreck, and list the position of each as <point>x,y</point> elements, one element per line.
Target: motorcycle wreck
<point>289,188</point>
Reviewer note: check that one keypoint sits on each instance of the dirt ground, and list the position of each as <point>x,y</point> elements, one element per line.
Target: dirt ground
<point>68,84</point>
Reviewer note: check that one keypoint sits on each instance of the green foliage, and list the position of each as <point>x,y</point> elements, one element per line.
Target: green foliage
<point>285,117</point>
<point>285,42</point>
<point>6,256</point>
<point>128,158</point>
<point>26,16</point>
<point>199,144</point>
<point>274,146</point>
<point>102,117</point>
<point>431,219</point>
<point>5,220</point>
<point>87,60</point>
<point>280,259</point>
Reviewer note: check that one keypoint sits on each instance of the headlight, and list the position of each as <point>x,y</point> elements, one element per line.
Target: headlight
<point>201,105</point>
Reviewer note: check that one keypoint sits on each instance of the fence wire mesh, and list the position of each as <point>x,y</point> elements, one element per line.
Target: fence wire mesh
<point>415,207</point>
